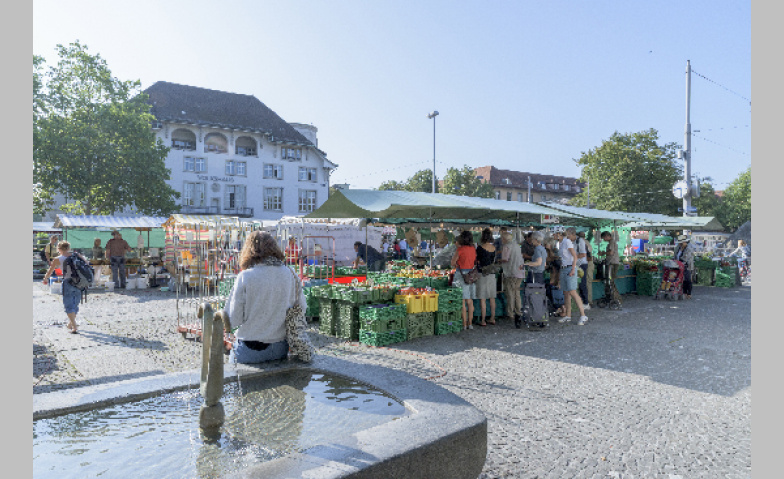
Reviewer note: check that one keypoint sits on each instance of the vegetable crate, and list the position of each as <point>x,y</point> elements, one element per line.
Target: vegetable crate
<point>347,323</point>
<point>450,294</point>
<point>414,302</point>
<point>447,306</point>
<point>327,317</point>
<point>420,325</point>
<point>648,284</point>
<point>448,327</point>
<point>705,276</point>
<point>357,296</point>
<point>382,311</point>
<point>382,339</point>
<point>381,325</point>
<point>724,280</point>
<point>439,283</point>
<point>312,306</point>
<point>447,316</point>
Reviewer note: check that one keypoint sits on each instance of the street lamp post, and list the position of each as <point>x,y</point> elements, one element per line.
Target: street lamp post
<point>433,115</point>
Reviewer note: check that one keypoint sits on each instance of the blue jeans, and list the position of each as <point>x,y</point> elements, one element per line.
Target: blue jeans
<point>71,297</point>
<point>118,269</point>
<point>241,353</point>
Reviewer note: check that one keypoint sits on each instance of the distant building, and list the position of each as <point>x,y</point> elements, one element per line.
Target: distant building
<point>232,155</point>
<point>512,185</point>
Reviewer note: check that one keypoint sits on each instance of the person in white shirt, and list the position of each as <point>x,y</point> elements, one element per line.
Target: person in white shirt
<point>263,292</point>
<point>403,248</point>
<point>569,277</point>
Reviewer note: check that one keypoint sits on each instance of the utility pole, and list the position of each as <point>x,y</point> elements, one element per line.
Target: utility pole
<point>433,115</point>
<point>687,146</point>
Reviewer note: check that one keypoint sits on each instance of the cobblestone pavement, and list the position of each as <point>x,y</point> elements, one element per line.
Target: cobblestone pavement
<point>660,389</point>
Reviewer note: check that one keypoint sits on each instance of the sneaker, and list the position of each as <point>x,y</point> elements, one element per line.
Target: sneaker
<point>470,326</point>
<point>586,306</point>
<point>582,321</point>
<point>564,319</point>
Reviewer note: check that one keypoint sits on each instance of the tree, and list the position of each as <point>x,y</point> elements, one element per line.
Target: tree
<point>631,172</point>
<point>708,204</point>
<point>463,182</point>
<point>393,185</point>
<point>92,139</point>
<point>422,181</point>
<point>736,204</point>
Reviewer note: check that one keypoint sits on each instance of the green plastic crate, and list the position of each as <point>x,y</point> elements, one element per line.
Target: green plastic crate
<point>449,305</point>
<point>447,316</point>
<point>382,339</point>
<point>419,325</point>
<point>705,276</point>
<point>648,285</point>
<point>347,321</point>
<point>327,317</point>
<point>448,327</point>
<point>381,325</point>
<point>450,294</point>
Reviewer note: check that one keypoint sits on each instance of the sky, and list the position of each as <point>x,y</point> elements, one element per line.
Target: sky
<point>520,85</point>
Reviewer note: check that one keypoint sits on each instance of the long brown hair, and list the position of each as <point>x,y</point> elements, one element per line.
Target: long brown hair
<point>258,247</point>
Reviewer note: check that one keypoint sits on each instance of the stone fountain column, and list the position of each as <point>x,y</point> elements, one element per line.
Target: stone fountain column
<point>211,414</point>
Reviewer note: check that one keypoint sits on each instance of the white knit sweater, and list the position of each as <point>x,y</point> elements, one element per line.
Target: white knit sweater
<point>259,301</point>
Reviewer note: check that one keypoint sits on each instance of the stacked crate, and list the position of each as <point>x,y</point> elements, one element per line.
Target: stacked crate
<point>448,322</point>
<point>648,283</point>
<point>420,324</point>
<point>328,314</point>
<point>347,323</point>
<point>450,299</point>
<point>382,324</point>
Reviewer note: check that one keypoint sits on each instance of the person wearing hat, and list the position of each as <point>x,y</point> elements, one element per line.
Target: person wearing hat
<point>115,253</point>
<point>685,254</point>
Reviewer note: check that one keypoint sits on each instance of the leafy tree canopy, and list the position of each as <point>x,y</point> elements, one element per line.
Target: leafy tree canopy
<point>631,172</point>
<point>422,181</point>
<point>735,207</point>
<point>92,139</point>
<point>463,182</point>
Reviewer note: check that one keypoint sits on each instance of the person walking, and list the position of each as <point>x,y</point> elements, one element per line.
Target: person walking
<point>72,296</point>
<point>512,267</point>
<point>486,285</point>
<point>612,261</point>
<point>115,253</point>
<point>685,254</point>
<point>258,303</point>
<point>569,277</point>
<point>463,261</point>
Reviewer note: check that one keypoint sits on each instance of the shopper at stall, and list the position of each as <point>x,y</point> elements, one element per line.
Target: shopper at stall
<point>72,296</point>
<point>396,249</point>
<point>538,259</point>
<point>528,247</point>
<point>368,255</point>
<point>98,251</point>
<point>569,277</point>
<point>486,285</point>
<point>498,243</point>
<point>685,254</point>
<point>403,248</point>
<point>115,253</point>
<point>50,250</point>
<point>463,261</point>
<point>263,292</point>
<point>292,251</point>
<point>581,248</point>
<point>512,267</point>
<point>612,260</point>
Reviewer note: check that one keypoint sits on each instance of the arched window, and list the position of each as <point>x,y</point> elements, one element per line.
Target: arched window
<point>215,143</point>
<point>245,146</point>
<point>183,139</point>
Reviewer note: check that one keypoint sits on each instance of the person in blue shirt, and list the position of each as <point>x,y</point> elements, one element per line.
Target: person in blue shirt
<point>368,255</point>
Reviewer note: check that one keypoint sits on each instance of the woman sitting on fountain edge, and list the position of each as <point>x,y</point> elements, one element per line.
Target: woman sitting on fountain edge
<point>264,290</point>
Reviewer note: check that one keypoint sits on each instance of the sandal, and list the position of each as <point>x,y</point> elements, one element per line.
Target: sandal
<point>491,323</point>
<point>482,324</point>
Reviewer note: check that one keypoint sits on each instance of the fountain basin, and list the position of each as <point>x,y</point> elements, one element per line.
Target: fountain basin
<point>439,435</point>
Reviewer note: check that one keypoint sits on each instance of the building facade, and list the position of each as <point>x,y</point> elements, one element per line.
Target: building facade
<point>232,155</point>
<point>512,185</point>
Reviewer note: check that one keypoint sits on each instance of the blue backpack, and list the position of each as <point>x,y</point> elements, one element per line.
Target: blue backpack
<point>81,273</point>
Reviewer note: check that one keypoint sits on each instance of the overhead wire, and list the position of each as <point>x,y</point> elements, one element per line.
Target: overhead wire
<point>720,85</point>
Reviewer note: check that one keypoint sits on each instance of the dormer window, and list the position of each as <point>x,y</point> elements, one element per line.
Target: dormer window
<point>566,187</point>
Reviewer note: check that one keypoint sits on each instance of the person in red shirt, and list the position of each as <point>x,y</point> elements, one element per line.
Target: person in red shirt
<point>292,251</point>
<point>463,261</point>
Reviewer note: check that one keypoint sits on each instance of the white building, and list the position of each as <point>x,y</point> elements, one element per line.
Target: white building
<point>232,155</point>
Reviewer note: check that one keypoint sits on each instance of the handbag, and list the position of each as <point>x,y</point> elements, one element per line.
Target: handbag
<point>491,268</point>
<point>296,329</point>
<point>472,276</point>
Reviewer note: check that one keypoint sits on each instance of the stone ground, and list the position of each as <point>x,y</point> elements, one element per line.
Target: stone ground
<point>660,389</point>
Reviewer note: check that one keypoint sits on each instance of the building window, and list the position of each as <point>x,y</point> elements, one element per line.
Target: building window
<point>498,195</point>
<point>245,151</point>
<point>544,198</point>
<point>542,185</point>
<point>555,186</point>
<point>234,197</point>
<point>197,165</point>
<point>213,148</point>
<point>236,167</point>
<point>519,197</point>
<point>508,196</point>
<point>566,187</point>
<point>183,145</point>
<point>273,199</point>
<point>193,194</point>
<point>273,171</point>
<point>307,201</point>
<point>307,174</point>
<point>230,169</point>
<point>291,153</point>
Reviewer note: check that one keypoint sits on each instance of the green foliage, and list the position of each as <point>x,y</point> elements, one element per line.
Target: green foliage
<point>422,181</point>
<point>708,204</point>
<point>631,172</point>
<point>393,185</point>
<point>736,204</point>
<point>92,139</point>
<point>463,182</point>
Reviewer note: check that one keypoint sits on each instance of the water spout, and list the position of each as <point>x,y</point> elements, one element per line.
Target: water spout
<point>211,414</point>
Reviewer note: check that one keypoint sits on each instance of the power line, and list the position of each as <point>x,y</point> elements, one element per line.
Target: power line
<point>722,86</point>
<point>719,144</point>
<point>721,129</point>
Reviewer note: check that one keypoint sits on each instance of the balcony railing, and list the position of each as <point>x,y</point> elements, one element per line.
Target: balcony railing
<point>244,212</point>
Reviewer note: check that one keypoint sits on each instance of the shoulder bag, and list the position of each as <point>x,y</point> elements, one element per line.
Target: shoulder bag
<point>296,328</point>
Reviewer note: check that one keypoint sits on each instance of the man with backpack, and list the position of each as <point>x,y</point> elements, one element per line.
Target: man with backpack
<point>115,253</point>
<point>76,278</point>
